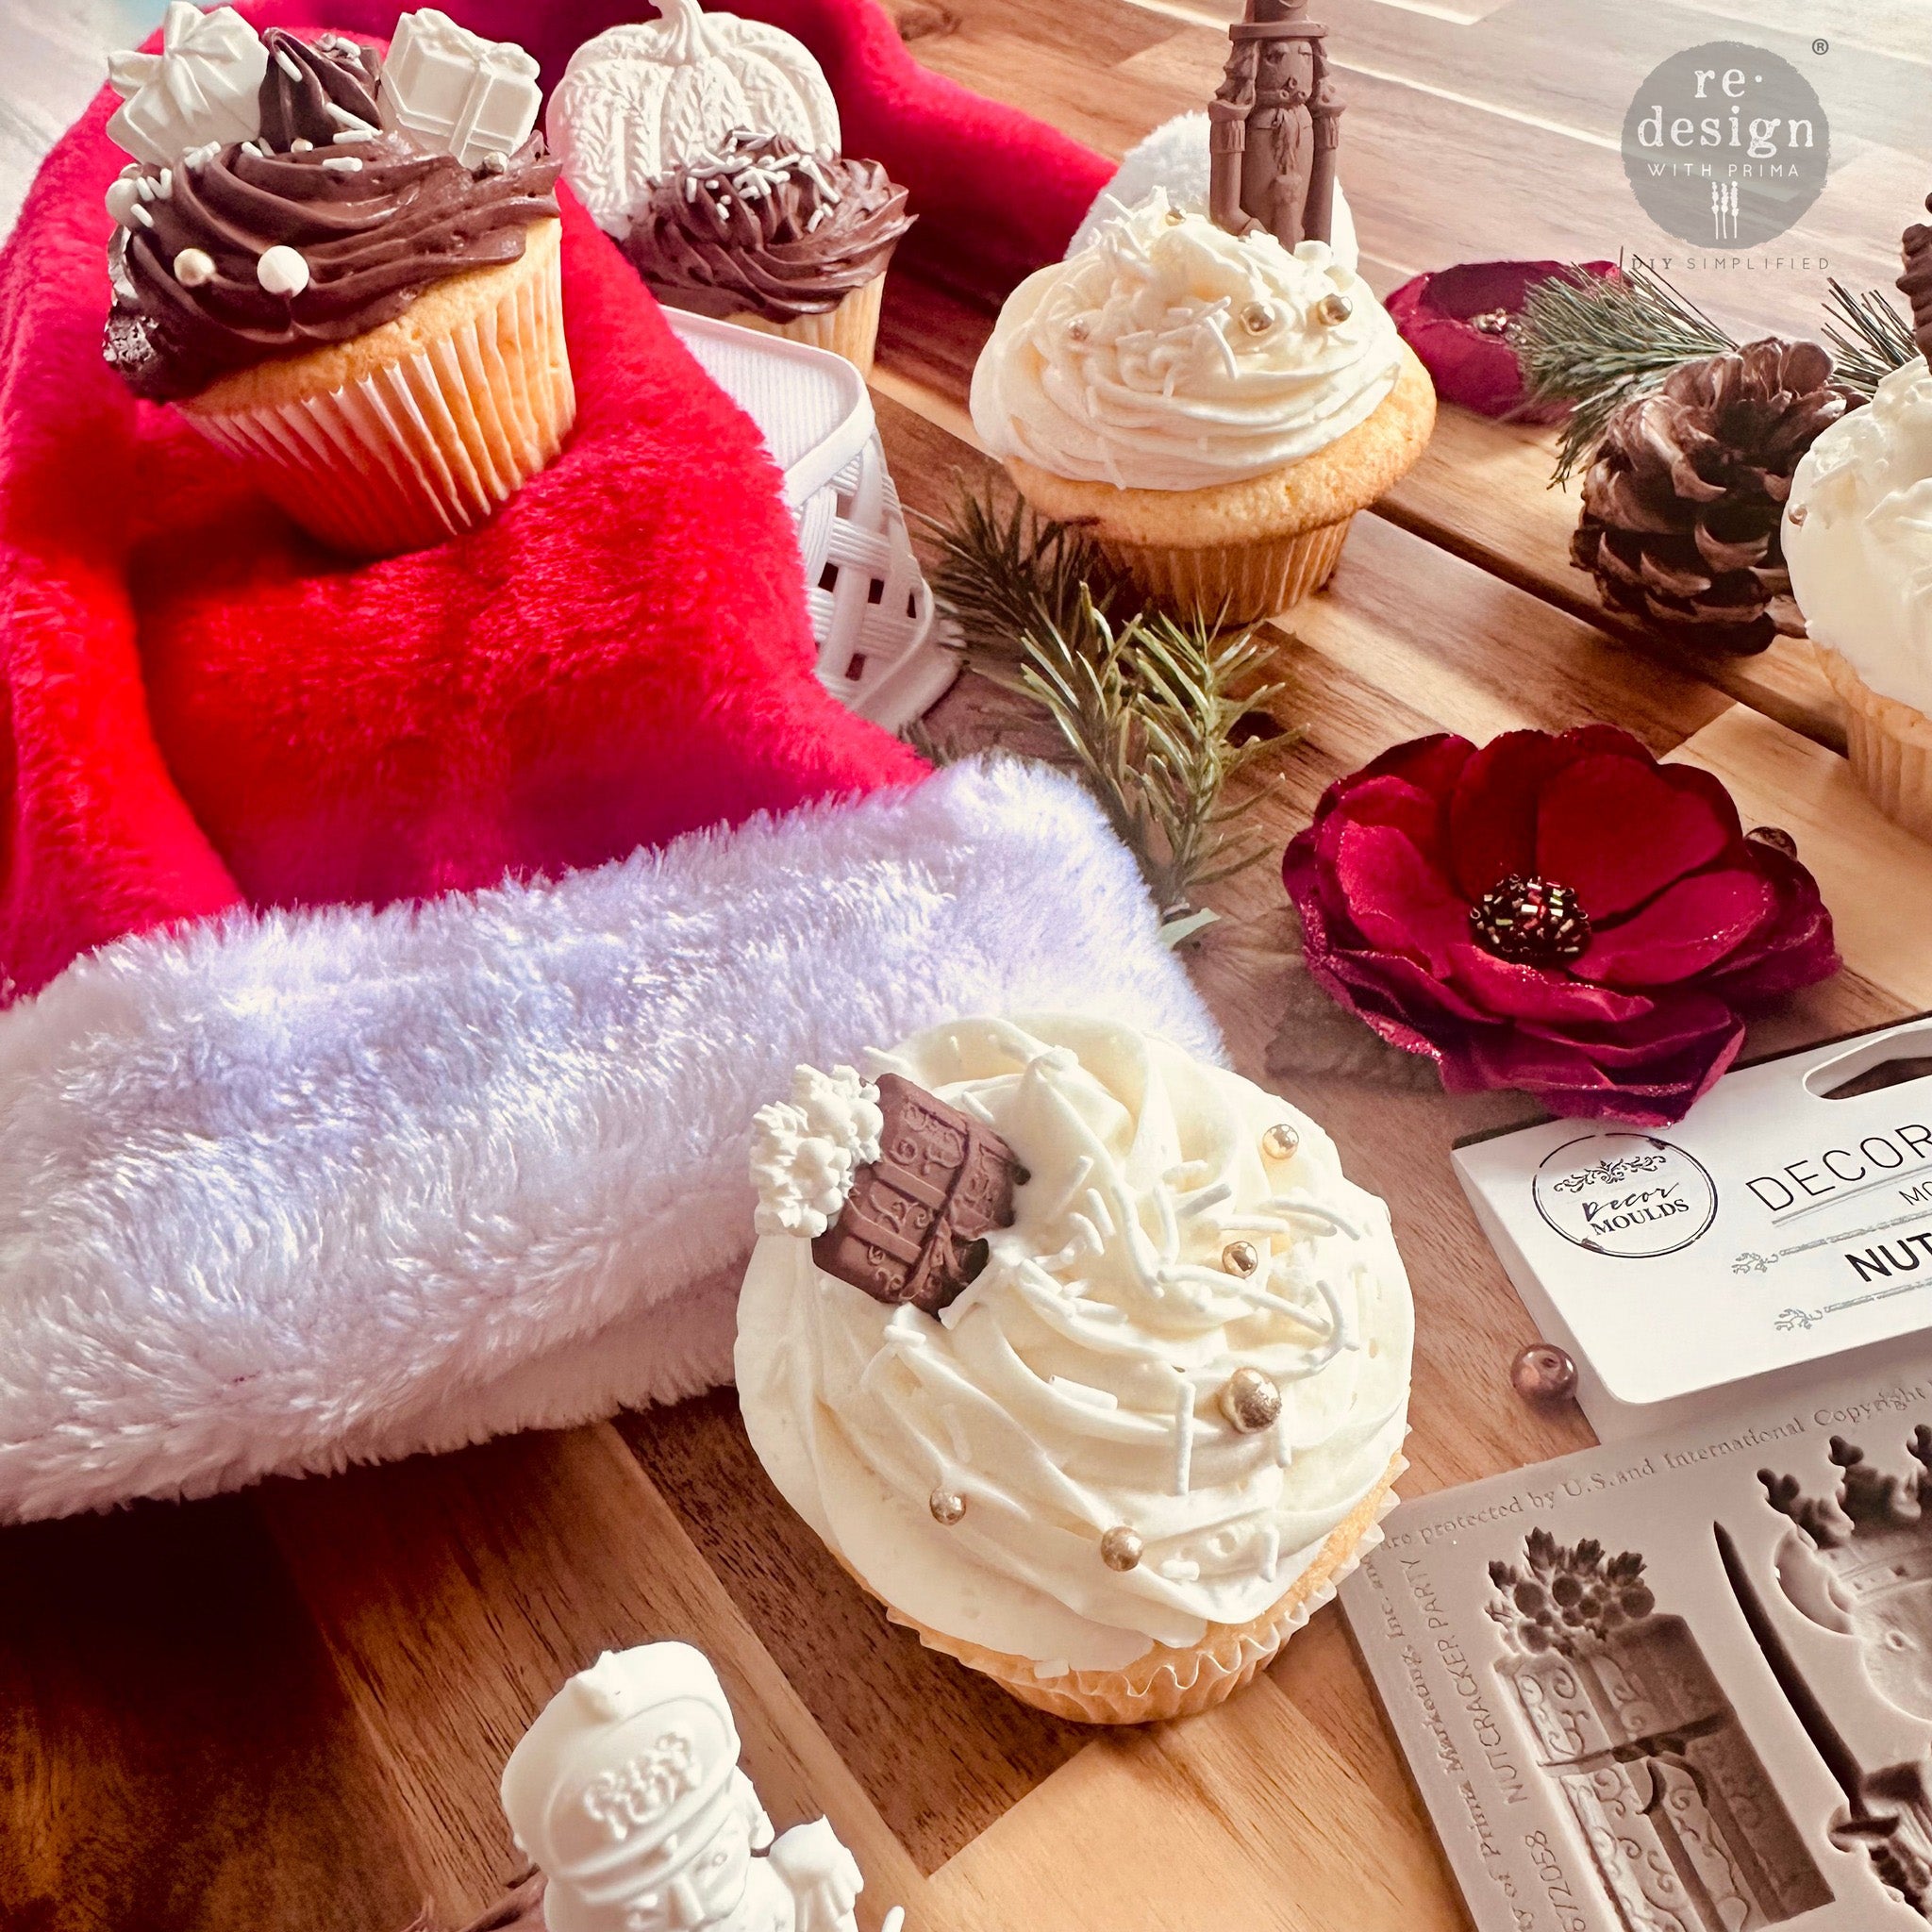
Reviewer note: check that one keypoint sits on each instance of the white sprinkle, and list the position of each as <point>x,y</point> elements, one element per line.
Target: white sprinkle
<point>1270,1559</point>
<point>344,164</point>
<point>343,118</point>
<point>165,186</point>
<point>1184,1438</point>
<point>142,215</point>
<point>300,145</point>
<point>193,267</point>
<point>144,187</point>
<point>357,133</point>
<point>287,63</point>
<point>818,215</point>
<point>1181,1570</point>
<point>249,147</point>
<point>690,188</point>
<point>282,271</point>
<point>1206,1198</point>
<point>496,162</point>
<point>198,157</point>
<point>1082,1393</point>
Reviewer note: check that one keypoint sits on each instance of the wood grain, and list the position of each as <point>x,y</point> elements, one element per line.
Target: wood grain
<point>290,1710</point>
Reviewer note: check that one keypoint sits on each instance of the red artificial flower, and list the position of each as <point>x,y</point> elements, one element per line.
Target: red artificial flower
<point>1439,888</point>
<point>1457,318</point>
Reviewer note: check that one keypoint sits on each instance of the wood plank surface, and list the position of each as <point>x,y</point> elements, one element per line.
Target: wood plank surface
<point>290,1709</point>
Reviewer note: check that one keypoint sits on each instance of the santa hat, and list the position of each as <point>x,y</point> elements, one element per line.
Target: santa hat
<point>395,953</point>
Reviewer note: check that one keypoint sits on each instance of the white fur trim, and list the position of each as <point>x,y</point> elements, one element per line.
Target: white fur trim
<point>283,1192</point>
<point>1175,156</point>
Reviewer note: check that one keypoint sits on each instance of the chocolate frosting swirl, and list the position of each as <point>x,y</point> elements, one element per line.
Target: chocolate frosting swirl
<point>295,105</point>
<point>766,229</point>
<point>376,219</point>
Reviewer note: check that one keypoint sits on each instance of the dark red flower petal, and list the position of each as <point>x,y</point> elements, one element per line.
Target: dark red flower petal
<point>1685,929</point>
<point>1432,763</point>
<point>1619,833</point>
<point>1513,991</point>
<point>1476,367</point>
<point>1493,813</point>
<point>1404,807</point>
<point>1398,901</point>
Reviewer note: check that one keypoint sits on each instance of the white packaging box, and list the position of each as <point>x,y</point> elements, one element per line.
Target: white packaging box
<point>1773,1228</point>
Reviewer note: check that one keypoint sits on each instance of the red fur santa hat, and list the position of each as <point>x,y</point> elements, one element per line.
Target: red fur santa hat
<point>394,954</point>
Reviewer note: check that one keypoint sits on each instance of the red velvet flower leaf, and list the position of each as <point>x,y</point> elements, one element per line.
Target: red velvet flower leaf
<point>1685,929</point>
<point>1618,833</point>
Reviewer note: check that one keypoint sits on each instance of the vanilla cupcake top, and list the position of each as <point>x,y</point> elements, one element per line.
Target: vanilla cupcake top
<point>1181,1361</point>
<point>1170,354</point>
<point>1857,537</point>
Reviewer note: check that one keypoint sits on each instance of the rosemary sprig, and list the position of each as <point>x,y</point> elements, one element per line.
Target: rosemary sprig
<point>1147,706</point>
<point>1869,338</point>
<point>1594,341</point>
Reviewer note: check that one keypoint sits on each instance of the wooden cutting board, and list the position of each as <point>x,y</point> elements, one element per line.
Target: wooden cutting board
<point>289,1709</point>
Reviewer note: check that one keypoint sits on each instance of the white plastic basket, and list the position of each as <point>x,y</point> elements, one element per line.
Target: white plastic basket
<point>871,609</point>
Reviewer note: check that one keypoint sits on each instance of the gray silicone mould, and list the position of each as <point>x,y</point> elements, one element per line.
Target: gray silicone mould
<point>1682,1684</point>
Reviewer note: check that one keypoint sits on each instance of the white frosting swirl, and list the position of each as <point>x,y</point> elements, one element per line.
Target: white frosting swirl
<point>1170,354</point>
<point>1074,1386</point>
<point>1857,537</point>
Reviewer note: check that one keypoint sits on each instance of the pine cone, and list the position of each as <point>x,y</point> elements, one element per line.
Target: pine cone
<point>1682,506</point>
<point>1917,281</point>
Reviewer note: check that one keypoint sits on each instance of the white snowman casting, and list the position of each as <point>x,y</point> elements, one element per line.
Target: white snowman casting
<point>627,1793</point>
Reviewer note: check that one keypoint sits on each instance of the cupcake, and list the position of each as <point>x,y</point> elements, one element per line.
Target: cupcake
<point>346,274</point>
<point>1212,408</point>
<point>1079,1354</point>
<point>708,147</point>
<point>1857,541</point>
<point>776,238</point>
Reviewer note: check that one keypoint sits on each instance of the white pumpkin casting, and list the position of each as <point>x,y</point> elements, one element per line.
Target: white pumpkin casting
<point>637,100</point>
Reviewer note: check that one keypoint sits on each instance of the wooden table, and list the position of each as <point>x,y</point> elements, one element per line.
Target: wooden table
<point>288,1709</point>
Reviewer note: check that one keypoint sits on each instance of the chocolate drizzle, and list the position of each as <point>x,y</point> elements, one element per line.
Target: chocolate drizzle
<point>913,1226</point>
<point>332,71</point>
<point>767,230</point>
<point>1916,283</point>
<point>376,219</point>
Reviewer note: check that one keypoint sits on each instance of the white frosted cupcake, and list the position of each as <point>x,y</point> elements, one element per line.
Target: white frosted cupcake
<point>1125,1390</point>
<point>1858,540</point>
<point>1214,409</point>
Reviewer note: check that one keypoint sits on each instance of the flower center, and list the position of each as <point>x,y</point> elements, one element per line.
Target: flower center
<point>1530,922</point>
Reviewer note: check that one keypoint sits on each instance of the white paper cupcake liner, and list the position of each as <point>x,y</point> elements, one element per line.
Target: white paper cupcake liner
<point>429,445</point>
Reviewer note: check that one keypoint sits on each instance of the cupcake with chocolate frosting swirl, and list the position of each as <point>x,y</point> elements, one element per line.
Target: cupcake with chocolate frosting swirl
<point>293,291</point>
<point>776,238</point>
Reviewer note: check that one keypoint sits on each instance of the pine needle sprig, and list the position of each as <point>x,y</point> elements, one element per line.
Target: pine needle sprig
<point>1147,706</point>
<point>1867,336</point>
<point>1594,341</point>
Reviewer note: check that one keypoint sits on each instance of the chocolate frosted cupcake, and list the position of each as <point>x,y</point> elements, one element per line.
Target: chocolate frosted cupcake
<point>361,298</point>
<point>762,234</point>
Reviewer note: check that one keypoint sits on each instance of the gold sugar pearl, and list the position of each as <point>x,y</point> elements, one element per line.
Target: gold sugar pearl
<point>1258,318</point>
<point>1175,217</point>
<point>1079,329</point>
<point>947,1505</point>
<point>1250,1401</point>
<point>1334,310</point>
<point>1239,1257</point>
<point>1121,1548</point>
<point>1281,1141</point>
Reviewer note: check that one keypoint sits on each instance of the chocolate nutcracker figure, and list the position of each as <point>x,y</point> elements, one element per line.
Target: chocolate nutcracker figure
<point>1274,126</point>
